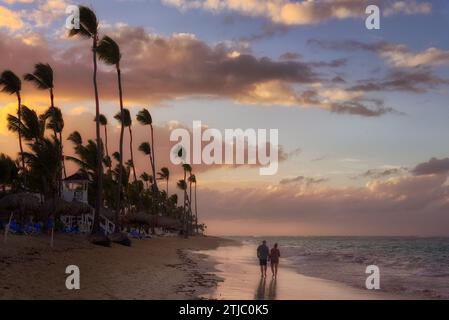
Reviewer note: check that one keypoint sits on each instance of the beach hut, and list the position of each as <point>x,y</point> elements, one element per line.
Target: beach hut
<point>75,188</point>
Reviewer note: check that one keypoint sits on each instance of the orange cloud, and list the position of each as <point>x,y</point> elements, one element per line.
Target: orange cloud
<point>10,20</point>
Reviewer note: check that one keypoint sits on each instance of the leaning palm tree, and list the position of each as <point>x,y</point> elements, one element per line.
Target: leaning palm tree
<point>164,174</point>
<point>144,117</point>
<point>88,28</point>
<point>10,83</point>
<point>109,52</point>
<point>125,120</point>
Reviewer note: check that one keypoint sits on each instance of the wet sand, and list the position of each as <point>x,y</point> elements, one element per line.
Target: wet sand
<point>241,280</point>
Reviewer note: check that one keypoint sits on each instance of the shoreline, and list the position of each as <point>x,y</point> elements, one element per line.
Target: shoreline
<point>161,268</point>
<point>240,279</point>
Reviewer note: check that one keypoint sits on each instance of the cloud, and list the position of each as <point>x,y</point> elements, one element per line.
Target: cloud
<point>280,93</point>
<point>383,173</point>
<point>416,81</point>
<point>302,180</point>
<point>10,20</point>
<point>396,55</point>
<point>409,205</point>
<point>157,68</point>
<point>433,167</point>
<point>290,13</point>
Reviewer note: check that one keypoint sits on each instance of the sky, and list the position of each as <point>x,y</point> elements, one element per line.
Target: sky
<point>361,114</point>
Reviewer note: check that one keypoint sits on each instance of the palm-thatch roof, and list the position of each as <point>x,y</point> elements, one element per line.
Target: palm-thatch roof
<point>144,218</point>
<point>20,201</point>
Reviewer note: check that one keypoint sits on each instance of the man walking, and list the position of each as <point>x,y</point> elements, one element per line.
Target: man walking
<point>263,253</point>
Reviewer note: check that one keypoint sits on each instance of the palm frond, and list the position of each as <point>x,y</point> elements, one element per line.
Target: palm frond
<point>9,82</point>
<point>88,24</point>
<point>109,51</point>
<point>144,117</point>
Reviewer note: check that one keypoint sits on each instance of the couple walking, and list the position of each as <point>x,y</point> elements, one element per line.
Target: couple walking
<point>264,254</point>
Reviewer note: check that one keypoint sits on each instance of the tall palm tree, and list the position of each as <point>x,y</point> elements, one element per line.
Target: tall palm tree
<point>109,52</point>
<point>42,78</point>
<point>144,117</point>
<point>187,169</point>
<point>125,120</point>
<point>104,124</point>
<point>89,29</point>
<point>10,83</point>
<point>164,174</point>
<point>192,180</point>
<point>145,148</point>
<point>182,185</point>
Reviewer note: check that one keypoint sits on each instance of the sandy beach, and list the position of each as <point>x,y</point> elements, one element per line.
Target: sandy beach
<point>159,268</point>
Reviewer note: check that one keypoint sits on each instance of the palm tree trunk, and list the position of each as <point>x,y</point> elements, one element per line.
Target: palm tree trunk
<point>132,153</point>
<point>190,208</point>
<point>52,107</point>
<point>19,114</point>
<point>196,212</point>
<point>185,212</point>
<point>153,165</point>
<point>106,146</point>
<point>99,199</point>
<point>122,132</point>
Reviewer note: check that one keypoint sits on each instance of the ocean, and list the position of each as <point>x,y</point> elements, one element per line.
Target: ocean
<point>412,267</point>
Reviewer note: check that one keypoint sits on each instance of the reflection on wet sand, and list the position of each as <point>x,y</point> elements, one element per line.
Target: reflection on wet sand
<point>261,292</point>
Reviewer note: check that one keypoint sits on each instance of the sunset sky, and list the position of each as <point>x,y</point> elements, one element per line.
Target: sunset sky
<point>362,114</point>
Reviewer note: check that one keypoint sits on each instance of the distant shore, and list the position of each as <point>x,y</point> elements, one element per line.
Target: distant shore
<point>159,268</point>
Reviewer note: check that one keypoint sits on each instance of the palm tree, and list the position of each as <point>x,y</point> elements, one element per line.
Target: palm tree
<point>109,52</point>
<point>164,174</point>
<point>8,171</point>
<point>182,185</point>
<point>125,120</point>
<point>10,83</point>
<point>145,148</point>
<point>192,180</point>
<point>146,178</point>
<point>42,78</point>
<point>144,117</point>
<point>89,29</point>
<point>104,123</point>
<point>29,126</point>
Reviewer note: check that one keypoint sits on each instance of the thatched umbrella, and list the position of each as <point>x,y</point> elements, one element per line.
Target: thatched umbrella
<point>168,223</point>
<point>20,202</point>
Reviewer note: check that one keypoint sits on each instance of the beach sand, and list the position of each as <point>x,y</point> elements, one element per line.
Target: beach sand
<point>160,268</point>
<point>239,270</point>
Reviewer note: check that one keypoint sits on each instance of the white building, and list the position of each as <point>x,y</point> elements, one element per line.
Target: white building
<point>75,187</point>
